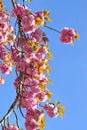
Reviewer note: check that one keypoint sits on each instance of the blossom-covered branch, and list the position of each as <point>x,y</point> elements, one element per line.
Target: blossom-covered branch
<point>25,47</point>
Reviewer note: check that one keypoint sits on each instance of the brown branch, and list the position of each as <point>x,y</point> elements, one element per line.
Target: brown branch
<point>52,29</point>
<point>10,110</point>
<point>16,118</point>
<point>22,113</point>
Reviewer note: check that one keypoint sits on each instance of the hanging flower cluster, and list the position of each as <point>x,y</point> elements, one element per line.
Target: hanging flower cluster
<point>67,35</point>
<point>28,51</point>
<point>7,38</point>
<point>32,62</point>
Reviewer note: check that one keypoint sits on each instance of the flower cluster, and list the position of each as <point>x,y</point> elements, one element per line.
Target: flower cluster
<point>68,35</point>
<point>28,19</point>
<point>7,38</point>
<point>33,66</point>
<point>31,55</point>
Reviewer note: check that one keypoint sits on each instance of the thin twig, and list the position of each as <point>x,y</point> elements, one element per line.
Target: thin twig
<point>16,118</point>
<point>52,29</point>
<point>22,113</point>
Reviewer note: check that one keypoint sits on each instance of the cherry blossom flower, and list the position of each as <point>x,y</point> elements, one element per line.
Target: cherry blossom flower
<point>67,35</point>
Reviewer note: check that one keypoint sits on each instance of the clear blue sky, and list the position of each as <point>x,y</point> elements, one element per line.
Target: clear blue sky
<point>69,73</point>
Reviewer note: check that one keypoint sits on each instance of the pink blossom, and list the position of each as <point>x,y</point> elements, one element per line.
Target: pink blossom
<point>1,38</point>
<point>12,127</point>
<point>42,97</point>
<point>28,29</point>
<point>5,69</point>
<point>28,101</point>
<point>41,53</point>
<point>37,34</point>
<point>18,10</point>
<point>31,125</point>
<point>51,110</point>
<point>4,55</point>
<point>28,20</point>
<point>39,14</point>
<point>27,49</point>
<point>67,35</point>
<point>3,26</point>
<point>2,48</point>
<point>15,54</point>
<point>16,82</point>
<point>34,114</point>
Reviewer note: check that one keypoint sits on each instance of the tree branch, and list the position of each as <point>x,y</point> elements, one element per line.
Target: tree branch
<point>10,110</point>
<point>52,29</point>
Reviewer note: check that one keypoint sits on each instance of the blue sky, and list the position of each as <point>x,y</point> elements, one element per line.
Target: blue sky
<point>69,65</point>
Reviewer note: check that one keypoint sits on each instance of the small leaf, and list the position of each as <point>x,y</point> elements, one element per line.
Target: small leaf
<point>77,36</point>
<point>48,19</point>
<point>72,42</point>
<point>49,80</point>
<point>42,123</point>
<point>57,103</point>
<point>36,48</point>
<point>46,13</point>
<point>39,21</point>
<point>62,107</point>
<point>41,69</point>
<point>61,113</point>
<point>43,86</point>
<point>45,39</point>
<point>50,54</point>
<point>49,95</point>
<point>47,47</point>
<point>48,68</point>
<point>29,0</point>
